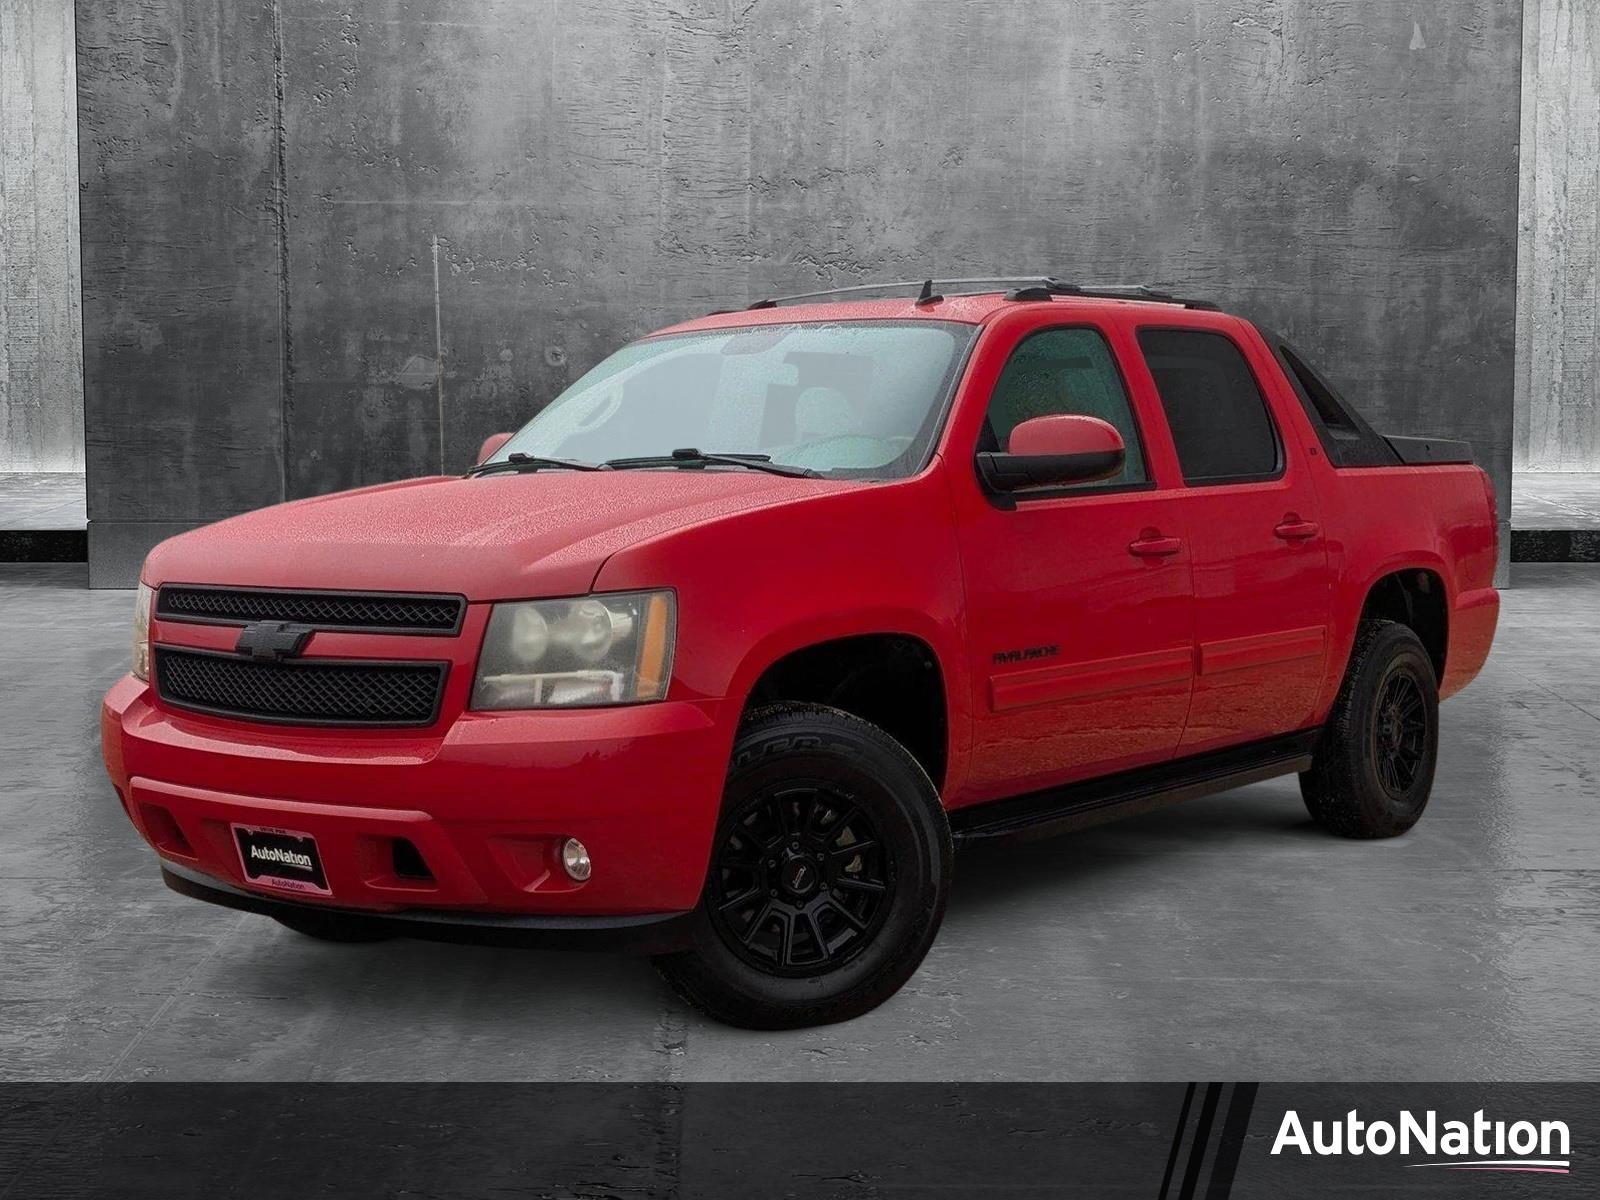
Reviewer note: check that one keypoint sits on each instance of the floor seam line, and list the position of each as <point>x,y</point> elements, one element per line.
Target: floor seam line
<point>171,1000</point>
<point>1551,692</point>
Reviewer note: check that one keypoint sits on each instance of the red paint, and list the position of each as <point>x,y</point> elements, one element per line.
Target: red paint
<point>1064,433</point>
<point>1160,621</point>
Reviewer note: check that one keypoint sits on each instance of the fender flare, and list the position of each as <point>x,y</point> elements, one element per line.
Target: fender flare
<point>943,641</point>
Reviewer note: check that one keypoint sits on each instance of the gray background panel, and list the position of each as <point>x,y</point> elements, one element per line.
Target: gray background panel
<point>182,344</point>
<point>41,378</point>
<point>483,199</point>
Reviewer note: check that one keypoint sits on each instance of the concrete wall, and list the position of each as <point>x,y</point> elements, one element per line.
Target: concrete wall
<point>1558,331</point>
<point>41,350</point>
<point>301,216</point>
<point>184,341</point>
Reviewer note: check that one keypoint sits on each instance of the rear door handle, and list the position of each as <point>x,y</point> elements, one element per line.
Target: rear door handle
<point>1293,529</point>
<point>1154,546</point>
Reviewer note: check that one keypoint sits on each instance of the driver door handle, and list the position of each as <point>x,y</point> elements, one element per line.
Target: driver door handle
<point>1153,545</point>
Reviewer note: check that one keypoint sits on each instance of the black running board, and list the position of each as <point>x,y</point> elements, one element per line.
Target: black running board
<point>1078,805</point>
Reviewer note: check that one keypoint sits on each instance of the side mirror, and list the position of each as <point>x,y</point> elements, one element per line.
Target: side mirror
<point>1064,448</point>
<point>491,444</point>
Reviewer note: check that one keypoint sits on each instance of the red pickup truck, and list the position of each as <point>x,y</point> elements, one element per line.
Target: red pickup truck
<point>723,653</point>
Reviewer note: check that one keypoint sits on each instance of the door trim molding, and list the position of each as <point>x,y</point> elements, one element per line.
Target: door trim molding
<point>1261,650</point>
<point>1087,680</point>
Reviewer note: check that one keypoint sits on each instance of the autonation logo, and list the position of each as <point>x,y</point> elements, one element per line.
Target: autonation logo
<point>284,858</point>
<point>1476,1145</point>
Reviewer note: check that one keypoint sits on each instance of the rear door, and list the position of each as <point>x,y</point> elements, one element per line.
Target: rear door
<point>1263,586</point>
<point>1079,598</point>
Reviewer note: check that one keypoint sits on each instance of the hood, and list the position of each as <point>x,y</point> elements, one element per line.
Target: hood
<point>495,537</point>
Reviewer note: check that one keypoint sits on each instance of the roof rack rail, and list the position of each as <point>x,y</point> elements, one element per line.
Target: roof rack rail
<point>1045,288</point>
<point>1022,287</point>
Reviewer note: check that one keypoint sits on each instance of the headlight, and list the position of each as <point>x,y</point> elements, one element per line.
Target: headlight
<point>609,649</point>
<point>141,633</point>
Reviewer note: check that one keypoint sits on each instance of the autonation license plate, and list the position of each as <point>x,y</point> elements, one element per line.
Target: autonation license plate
<point>282,859</point>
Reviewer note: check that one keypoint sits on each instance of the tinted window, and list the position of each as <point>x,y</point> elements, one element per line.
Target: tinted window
<point>1219,421</point>
<point>1064,371</point>
<point>1327,406</point>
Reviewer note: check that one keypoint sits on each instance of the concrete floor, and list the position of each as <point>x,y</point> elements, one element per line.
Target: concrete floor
<point>1555,500</point>
<point>31,500</point>
<point>1225,939</point>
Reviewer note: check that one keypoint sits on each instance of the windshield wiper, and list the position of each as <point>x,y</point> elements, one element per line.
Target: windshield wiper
<point>688,456</point>
<point>520,462</point>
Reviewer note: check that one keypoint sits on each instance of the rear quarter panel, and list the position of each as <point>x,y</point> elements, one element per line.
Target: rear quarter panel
<point>1386,519</point>
<point>1379,520</point>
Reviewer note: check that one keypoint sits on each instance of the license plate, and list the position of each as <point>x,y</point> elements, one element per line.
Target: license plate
<point>282,859</point>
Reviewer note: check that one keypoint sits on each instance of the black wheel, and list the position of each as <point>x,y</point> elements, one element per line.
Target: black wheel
<point>1373,770</point>
<point>828,875</point>
<point>332,927</point>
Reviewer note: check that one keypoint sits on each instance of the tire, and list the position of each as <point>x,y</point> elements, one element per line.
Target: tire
<point>332,927</point>
<point>828,875</point>
<point>1373,768</point>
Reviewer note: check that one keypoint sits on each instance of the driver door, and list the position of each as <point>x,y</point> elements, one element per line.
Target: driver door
<point>1080,598</point>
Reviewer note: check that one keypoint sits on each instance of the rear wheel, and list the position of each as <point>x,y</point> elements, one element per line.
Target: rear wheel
<point>1373,770</point>
<point>332,927</point>
<point>828,875</point>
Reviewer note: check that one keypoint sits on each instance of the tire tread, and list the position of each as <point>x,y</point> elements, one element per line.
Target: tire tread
<point>1336,790</point>
<point>701,985</point>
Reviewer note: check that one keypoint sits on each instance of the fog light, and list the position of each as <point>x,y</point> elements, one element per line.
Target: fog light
<point>575,858</point>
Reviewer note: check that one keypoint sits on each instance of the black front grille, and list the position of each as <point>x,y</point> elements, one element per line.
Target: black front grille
<point>385,612</point>
<point>301,691</point>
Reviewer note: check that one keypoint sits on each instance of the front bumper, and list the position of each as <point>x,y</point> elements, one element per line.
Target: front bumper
<point>486,802</point>
<point>652,933</point>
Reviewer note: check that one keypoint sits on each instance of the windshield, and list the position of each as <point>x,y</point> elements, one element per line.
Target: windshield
<point>854,399</point>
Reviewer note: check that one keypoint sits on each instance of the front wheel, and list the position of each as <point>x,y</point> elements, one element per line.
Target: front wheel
<point>1373,769</point>
<point>828,875</point>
